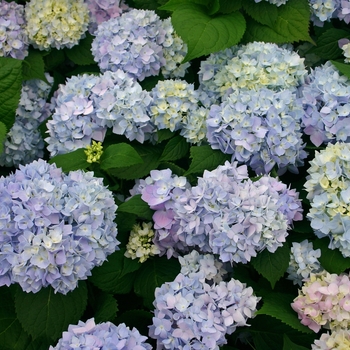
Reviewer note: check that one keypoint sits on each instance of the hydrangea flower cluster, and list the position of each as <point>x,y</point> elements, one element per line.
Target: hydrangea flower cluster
<point>191,314</point>
<point>135,42</point>
<point>89,104</point>
<point>252,66</point>
<point>344,44</point>
<point>259,128</point>
<point>56,23</point>
<point>339,340</point>
<point>324,301</point>
<point>106,335</point>
<point>54,228</point>
<point>344,11</point>
<point>175,106</point>
<point>328,188</point>
<point>103,10</point>
<point>303,261</point>
<point>140,244</point>
<point>13,37</point>
<point>274,2</point>
<point>24,142</point>
<point>323,10</point>
<point>326,100</point>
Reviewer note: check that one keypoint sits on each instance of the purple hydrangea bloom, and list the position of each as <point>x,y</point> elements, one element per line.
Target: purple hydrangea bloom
<point>106,335</point>
<point>259,128</point>
<point>14,41</point>
<point>24,142</point>
<point>344,11</point>
<point>326,101</point>
<point>192,314</point>
<point>54,228</point>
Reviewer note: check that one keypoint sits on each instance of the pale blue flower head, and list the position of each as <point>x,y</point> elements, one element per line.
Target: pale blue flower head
<point>54,228</point>
<point>14,41</point>
<point>105,335</point>
<point>323,11</point>
<point>344,11</point>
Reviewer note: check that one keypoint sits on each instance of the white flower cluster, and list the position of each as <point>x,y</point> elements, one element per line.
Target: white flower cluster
<point>140,243</point>
<point>339,339</point>
<point>56,23</point>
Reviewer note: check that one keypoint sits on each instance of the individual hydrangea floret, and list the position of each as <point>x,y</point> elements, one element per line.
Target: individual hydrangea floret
<point>274,2</point>
<point>326,101</point>
<point>54,227</point>
<point>56,23</point>
<point>339,339</point>
<point>344,44</point>
<point>140,245</point>
<point>252,66</point>
<point>303,261</point>
<point>259,128</point>
<point>24,142</point>
<point>324,302</point>
<point>105,335</point>
<point>328,188</point>
<point>191,314</point>
<point>176,106</point>
<point>103,10</point>
<point>13,37</point>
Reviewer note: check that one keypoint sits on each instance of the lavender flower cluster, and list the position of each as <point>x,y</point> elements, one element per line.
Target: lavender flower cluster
<point>54,228</point>
<point>13,37</point>
<point>324,10</point>
<point>24,142</point>
<point>252,66</point>
<point>192,314</point>
<point>259,128</point>
<point>89,104</point>
<point>326,100</point>
<point>328,188</point>
<point>134,43</point>
<point>106,335</point>
<point>225,214</point>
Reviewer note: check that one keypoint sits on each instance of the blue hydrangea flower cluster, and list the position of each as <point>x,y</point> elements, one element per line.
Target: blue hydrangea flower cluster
<point>344,11</point>
<point>325,10</point>
<point>259,128</point>
<point>252,66</point>
<point>103,10</point>
<point>328,188</point>
<point>24,142</point>
<point>106,335</point>
<point>225,214</point>
<point>192,314</point>
<point>344,44</point>
<point>303,261</point>
<point>176,106</point>
<point>274,2</point>
<point>54,228</point>
<point>89,104</point>
<point>13,37</point>
<point>326,101</point>
<point>139,43</point>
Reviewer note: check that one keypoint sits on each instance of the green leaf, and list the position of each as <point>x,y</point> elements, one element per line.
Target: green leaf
<point>342,67</point>
<point>71,161</point>
<point>204,34</point>
<point>289,345</point>
<point>81,54</point>
<point>173,167</point>
<point>153,273</point>
<point>175,149</point>
<point>292,25</point>
<point>119,155</point>
<point>327,44</point>
<point>135,205</point>
<point>33,66</point>
<point>105,307</point>
<point>3,133</point>
<point>46,314</point>
<point>10,89</point>
<point>164,134</point>
<point>278,305</point>
<point>115,275</point>
<point>262,12</point>
<point>272,266</point>
<point>53,58</point>
<point>331,260</point>
<point>228,6</point>
<point>140,319</point>
<point>205,158</point>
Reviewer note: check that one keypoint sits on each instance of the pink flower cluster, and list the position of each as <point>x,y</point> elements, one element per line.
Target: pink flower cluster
<point>324,301</point>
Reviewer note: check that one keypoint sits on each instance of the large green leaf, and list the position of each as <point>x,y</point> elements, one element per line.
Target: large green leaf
<point>289,345</point>
<point>33,66</point>
<point>272,266</point>
<point>46,314</point>
<point>204,34</point>
<point>71,161</point>
<point>342,67</point>
<point>81,54</point>
<point>10,89</point>
<point>135,205</point>
<point>3,133</point>
<point>175,149</point>
<point>105,307</point>
<point>262,12</point>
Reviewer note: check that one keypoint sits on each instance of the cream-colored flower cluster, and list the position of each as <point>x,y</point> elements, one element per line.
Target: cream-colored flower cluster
<point>339,340</point>
<point>140,243</point>
<point>56,23</point>
<point>346,52</point>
